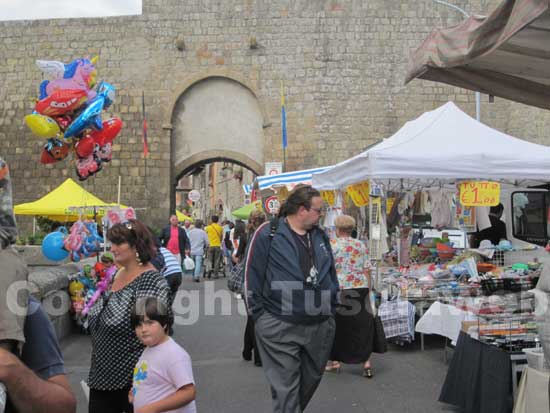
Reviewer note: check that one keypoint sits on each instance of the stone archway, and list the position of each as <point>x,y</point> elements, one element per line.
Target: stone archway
<point>215,118</point>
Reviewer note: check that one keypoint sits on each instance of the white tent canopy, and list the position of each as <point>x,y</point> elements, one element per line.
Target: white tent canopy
<point>442,146</point>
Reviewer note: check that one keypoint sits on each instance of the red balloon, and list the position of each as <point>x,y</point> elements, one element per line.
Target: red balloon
<point>61,101</point>
<point>111,128</point>
<point>84,147</point>
<point>63,121</point>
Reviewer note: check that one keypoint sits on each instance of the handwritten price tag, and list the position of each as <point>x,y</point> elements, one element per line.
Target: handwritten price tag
<point>479,193</point>
<point>359,193</point>
<point>329,197</point>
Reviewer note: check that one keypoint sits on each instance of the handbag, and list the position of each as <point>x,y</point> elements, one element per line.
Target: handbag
<point>235,280</point>
<point>379,343</point>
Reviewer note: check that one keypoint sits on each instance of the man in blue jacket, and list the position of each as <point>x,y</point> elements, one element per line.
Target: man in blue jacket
<point>291,287</point>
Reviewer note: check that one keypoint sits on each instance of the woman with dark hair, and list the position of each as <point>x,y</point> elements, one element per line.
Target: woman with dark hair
<point>255,219</point>
<point>115,347</point>
<point>239,241</point>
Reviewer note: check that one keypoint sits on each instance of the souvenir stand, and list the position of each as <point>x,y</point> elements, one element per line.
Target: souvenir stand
<point>436,152</point>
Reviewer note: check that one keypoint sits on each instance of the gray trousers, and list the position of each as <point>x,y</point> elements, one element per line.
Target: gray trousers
<point>294,358</point>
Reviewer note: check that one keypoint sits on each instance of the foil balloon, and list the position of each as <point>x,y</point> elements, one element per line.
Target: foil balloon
<point>89,117</point>
<point>84,147</point>
<point>108,92</point>
<point>42,126</point>
<point>110,129</point>
<point>79,74</point>
<point>61,102</point>
<point>87,167</point>
<point>57,149</point>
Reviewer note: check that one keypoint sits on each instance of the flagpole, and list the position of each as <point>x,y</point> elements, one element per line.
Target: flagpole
<point>145,143</point>
<point>283,126</point>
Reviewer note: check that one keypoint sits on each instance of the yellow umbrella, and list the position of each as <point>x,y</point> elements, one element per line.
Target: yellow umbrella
<point>67,202</point>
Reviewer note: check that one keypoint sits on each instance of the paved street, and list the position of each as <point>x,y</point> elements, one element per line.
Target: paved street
<point>406,379</point>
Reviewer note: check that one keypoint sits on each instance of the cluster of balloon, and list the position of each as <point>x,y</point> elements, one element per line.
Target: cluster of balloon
<point>82,241</point>
<point>68,115</point>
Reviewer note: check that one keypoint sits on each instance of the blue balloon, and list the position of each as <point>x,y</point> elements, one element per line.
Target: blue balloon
<point>52,246</point>
<point>87,118</point>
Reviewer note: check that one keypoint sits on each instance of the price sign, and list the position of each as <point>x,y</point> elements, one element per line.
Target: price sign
<point>479,193</point>
<point>329,197</point>
<point>194,195</point>
<point>359,193</point>
<point>272,205</point>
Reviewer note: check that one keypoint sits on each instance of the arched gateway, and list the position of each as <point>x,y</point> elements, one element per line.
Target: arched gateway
<point>215,118</point>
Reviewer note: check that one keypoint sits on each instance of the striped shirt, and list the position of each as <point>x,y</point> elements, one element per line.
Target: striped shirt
<point>171,264</point>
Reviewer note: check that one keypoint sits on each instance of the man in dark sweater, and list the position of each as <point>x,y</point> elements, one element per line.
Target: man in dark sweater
<point>291,286</point>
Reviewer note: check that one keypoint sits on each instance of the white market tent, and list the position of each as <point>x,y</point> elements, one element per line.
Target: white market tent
<point>443,145</point>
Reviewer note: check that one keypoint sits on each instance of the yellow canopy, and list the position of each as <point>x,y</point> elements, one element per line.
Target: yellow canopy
<point>67,202</point>
<point>182,217</point>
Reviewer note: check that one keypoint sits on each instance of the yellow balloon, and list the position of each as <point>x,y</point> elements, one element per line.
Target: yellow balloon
<point>42,126</point>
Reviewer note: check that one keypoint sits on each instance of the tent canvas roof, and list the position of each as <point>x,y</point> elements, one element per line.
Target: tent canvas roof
<point>506,54</point>
<point>60,203</point>
<point>244,211</point>
<point>447,145</point>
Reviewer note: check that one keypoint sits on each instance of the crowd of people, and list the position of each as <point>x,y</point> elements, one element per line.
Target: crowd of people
<point>295,279</point>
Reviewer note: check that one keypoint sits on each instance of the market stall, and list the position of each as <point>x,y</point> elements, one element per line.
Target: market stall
<point>423,163</point>
<point>66,203</point>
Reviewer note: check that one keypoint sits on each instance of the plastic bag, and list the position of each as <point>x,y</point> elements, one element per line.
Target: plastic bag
<point>188,263</point>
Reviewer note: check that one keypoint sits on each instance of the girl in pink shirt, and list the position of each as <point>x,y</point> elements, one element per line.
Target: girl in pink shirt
<point>163,376</point>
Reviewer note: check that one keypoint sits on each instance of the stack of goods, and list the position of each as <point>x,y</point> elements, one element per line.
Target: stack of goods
<point>82,287</point>
<point>397,317</point>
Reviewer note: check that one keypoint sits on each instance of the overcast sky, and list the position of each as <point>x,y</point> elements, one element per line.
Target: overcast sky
<point>51,9</point>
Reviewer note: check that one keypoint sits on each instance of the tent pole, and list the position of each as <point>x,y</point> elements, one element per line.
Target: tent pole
<point>118,195</point>
<point>33,225</point>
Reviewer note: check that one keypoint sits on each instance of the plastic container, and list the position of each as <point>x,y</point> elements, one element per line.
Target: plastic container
<point>536,360</point>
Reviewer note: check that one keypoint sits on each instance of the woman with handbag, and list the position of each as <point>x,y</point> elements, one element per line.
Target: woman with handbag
<point>255,219</point>
<point>353,340</point>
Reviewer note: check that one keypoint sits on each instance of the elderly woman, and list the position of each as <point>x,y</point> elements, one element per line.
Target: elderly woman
<point>354,320</point>
<point>115,347</point>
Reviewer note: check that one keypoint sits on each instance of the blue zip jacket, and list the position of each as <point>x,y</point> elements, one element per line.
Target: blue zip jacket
<point>274,281</point>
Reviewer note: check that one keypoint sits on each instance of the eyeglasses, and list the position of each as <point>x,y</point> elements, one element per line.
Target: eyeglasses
<point>318,210</point>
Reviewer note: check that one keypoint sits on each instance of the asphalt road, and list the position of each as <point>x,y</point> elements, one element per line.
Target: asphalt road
<point>405,379</point>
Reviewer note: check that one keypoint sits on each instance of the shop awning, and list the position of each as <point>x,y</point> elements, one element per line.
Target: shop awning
<point>244,212</point>
<point>506,54</point>
<point>288,179</point>
<point>67,202</point>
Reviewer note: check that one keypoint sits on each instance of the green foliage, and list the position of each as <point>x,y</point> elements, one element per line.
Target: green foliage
<point>47,225</point>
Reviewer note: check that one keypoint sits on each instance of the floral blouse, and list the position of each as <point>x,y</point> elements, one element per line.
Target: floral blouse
<point>352,262</point>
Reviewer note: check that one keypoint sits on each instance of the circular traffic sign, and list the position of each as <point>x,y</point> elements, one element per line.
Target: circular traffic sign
<point>272,205</point>
<point>194,195</point>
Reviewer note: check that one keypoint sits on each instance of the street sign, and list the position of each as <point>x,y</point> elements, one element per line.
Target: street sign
<point>272,205</point>
<point>273,168</point>
<point>194,195</point>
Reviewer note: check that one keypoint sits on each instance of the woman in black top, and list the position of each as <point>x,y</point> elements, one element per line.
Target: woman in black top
<point>255,219</point>
<point>115,347</point>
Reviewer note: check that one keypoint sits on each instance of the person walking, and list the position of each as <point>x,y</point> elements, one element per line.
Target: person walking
<point>353,341</point>
<point>255,219</point>
<point>171,271</point>
<point>115,347</point>
<point>215,234</point>
<point>290,290</point>
<point>174,238</point>
<point>199,244</point>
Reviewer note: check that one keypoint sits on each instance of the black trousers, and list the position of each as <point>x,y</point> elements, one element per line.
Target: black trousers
<point>250,341</point>
<point>174,282</point>
<point>110,401</point>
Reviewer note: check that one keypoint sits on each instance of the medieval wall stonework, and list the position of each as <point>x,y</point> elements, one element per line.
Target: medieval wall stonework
<point>343,63</point>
